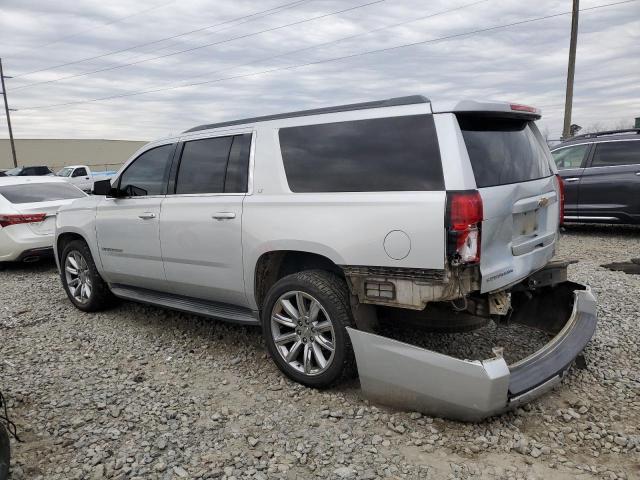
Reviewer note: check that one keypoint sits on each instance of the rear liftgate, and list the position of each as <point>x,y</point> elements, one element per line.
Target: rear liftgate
<point>412,378</point>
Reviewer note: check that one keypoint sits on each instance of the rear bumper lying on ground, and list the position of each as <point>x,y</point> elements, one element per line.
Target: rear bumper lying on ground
<point>412,378</point>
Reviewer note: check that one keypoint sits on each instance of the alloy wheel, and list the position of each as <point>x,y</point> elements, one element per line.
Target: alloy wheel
<point>303,333</point>
<point>78,277</point>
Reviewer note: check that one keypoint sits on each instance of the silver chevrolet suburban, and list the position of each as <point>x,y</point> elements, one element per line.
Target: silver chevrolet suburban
<point>316,224</point>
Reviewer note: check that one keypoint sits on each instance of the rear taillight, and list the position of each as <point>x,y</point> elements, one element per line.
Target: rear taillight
<point>6,220</point>
<point>561,199</point>
<point>464,217</point>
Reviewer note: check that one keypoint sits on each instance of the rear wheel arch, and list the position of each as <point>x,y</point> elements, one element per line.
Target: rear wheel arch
<point>274,265</point>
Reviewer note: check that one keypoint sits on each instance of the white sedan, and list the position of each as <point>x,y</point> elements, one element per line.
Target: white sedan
<point>28,207</point>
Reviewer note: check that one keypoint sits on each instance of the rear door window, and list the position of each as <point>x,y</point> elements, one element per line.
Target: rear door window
<point>503,150</point>
<point>40,192</point>
<point>214,165</point>
<point>374,155</point>
<point>616,153</point>
<point>570,157</point>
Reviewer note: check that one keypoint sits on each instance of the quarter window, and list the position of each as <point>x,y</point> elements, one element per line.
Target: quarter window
<point>616,153</point>
<point>148,173</point>
<point>381,154</point>
<point>570,157</point>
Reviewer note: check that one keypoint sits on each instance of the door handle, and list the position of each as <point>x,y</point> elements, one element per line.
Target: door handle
<point>147,216</point>
<point>638,173</point>
<point>571,179</point>
<point>223,216</point>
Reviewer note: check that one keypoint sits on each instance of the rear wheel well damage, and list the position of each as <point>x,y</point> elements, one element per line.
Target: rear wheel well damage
<point>272,266</point>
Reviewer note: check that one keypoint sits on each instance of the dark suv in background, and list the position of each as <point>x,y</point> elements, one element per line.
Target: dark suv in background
<point>601,173</point>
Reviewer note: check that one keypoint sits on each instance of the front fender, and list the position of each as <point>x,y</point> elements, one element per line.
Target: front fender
<point>79,218</point>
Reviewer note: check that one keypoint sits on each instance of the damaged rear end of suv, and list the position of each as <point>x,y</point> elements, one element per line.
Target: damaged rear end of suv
<point>504,206</point>
<point>321,225</point>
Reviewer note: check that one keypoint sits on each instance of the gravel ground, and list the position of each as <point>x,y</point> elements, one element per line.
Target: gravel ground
<point>140,392</point>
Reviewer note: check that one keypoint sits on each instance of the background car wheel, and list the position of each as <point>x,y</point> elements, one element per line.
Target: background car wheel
<point>81,280</point>
<point>304,320</point>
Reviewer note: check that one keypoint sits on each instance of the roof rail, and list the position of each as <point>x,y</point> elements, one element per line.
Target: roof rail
<point>606,132</point>
<point>390,102</point>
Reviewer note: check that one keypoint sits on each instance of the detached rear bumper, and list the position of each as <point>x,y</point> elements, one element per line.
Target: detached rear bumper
<point>412,378</point>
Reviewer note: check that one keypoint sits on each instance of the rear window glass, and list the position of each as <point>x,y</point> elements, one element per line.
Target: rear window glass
<point>39,192</point>
<point>382,154</point>
<point>503,150</point>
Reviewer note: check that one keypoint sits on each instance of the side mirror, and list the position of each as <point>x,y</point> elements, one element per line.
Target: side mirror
<point>102,187</point>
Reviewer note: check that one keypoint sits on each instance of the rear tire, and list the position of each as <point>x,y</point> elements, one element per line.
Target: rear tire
<point>304,320</point>
<point>80,278</point>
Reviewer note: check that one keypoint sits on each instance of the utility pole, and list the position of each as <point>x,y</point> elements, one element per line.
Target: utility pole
<point>6,109</point>
<point>568,101</point>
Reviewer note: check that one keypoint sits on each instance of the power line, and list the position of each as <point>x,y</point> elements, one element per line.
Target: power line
<point>154,42</point>
<point>115,67</point>
<point>342,39</point>
<point>291,52</point>
<point>111,22</point>
<point>344,57</point>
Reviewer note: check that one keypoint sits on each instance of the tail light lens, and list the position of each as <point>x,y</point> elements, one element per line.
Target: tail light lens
<point>6,220</point>
<point>561,202</point>
<point>464,217</point>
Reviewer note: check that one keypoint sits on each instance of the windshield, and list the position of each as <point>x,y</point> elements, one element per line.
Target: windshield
<point>65,172</point>
<point>503,150</point>
<point>14,172</point>
<point>40,192</point>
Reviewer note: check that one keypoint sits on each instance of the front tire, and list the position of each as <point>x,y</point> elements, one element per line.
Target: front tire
<point>304,322</point>
<point>80,278</point>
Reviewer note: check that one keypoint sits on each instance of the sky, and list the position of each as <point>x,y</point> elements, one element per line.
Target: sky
<point>69,59</point>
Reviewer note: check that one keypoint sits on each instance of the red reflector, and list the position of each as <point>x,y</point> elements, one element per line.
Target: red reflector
<point>561,202</point>
<point>522,108</point>
<point>6,220</point>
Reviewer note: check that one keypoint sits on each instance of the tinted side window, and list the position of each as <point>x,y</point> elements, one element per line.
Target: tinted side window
<point>570,157</point>
<point>238,167</point>
<point>80,172</point>
<point>203,165</point>
<point>148,173</point>
<point>616,153</point>
<point>382,154</point>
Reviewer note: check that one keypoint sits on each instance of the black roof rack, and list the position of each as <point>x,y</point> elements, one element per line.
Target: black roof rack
<point>606,132</point>
<point>390,102</point>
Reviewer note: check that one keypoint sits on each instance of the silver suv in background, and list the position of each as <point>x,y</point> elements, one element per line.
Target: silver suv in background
<point>317,224</point>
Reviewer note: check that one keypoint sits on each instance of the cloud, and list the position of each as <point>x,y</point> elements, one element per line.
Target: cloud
<point>525,63</point>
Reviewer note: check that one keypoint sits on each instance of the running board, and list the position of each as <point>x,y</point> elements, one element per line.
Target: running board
<point>205,308</point>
